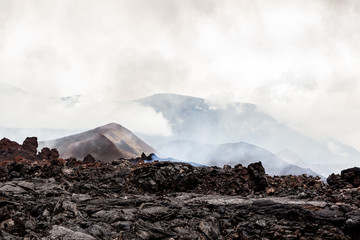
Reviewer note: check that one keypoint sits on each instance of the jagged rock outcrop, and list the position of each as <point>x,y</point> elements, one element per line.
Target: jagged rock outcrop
<point>48,154</point>
<point>10,150</point>
<point>352,176</point>
<point>89,159</point>
<point>348,177</point>
<point>30,145</point>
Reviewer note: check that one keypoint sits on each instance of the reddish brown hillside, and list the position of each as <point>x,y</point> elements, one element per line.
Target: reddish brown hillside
<point>105,143</point>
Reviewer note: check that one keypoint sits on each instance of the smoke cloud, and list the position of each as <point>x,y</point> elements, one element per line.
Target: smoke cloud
<point>296,60</point>
<point>76,112</point>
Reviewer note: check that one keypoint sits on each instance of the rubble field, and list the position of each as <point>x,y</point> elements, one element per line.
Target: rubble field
<point>45,197</point>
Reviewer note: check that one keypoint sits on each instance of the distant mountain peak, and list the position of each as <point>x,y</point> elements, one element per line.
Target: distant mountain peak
<point>111,126</point>
<point>105,143</point>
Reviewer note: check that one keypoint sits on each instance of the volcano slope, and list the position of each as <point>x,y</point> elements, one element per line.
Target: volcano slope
<point>106,143</point>
<point>47,197</point>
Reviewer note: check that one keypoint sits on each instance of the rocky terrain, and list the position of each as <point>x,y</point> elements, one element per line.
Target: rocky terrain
<point>43,196</point>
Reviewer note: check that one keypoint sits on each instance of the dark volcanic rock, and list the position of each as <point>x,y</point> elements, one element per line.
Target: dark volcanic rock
<point>257,173</point>
<point>163,177</point>
<point>52,198</point>
<point>57,210</point>
<point>89,159</point>
<point>48,154</point>
<point>29,147</point>
<point>352,176</point>
<point>335,181</point>
<point>8,149</point>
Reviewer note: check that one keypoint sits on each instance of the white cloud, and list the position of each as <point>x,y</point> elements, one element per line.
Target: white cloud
<point>78,112</point>
<point>297,60</point>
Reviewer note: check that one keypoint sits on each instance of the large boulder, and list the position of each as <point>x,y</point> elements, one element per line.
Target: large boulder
<point>352,176</point>
<point>48,154</point>
<point>258,180</point>
<point>30,145</point>
<point>8,149</point>
<point>348,177</point>
<point>29,148</point>
<point>89,159</point>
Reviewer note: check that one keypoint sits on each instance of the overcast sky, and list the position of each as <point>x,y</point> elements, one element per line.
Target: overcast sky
<point>297,60</point>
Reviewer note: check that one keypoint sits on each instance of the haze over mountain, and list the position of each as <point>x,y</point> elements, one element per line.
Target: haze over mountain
<point>196,119</point>
<point>204,122</point>
<point>291,157</point>
<point>105,143</point>
<point>231,154</point>
<point>113,141</point>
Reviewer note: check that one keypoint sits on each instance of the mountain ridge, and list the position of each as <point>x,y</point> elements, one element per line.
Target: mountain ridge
<point>196,119</point>
<point>232,154</point>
